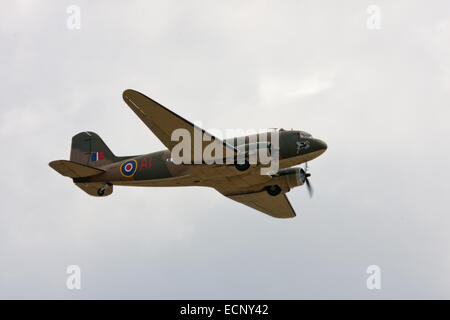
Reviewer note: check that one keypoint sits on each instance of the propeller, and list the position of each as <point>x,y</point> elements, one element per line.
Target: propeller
<point>304,176</point>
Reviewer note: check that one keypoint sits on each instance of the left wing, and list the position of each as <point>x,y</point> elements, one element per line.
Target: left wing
<point>275,206</point>
<point>162,122</point>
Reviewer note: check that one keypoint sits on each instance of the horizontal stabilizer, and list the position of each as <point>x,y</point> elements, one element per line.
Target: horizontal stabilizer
<point>73,169</point>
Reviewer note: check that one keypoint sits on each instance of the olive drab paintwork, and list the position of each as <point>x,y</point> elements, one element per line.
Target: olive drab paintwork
<point>96,169</point>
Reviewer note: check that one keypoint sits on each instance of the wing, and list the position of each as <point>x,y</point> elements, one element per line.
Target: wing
<point>275,206</point>
<point>162,122</point>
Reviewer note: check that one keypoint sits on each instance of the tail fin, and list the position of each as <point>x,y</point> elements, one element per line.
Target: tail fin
<point>89,149</point>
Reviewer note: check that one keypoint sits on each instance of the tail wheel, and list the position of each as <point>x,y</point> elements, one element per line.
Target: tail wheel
<point>101,191</point>
<point>243,166</point>
<point>273,190</point>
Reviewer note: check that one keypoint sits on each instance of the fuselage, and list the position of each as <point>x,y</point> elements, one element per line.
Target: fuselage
<point>158,169</point>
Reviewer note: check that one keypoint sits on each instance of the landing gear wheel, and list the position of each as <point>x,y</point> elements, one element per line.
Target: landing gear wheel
<point>243,166</point>
<point>273,190</point>
<point>101,191</point>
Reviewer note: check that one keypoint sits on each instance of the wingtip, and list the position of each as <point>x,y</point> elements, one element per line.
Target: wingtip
<point>52,163</point>
<point>127,93</point>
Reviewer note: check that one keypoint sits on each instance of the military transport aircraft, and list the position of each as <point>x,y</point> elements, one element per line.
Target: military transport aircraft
<point>95,169</point>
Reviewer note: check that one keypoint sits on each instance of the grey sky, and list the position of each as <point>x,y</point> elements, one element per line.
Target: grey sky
<point>379,98</point>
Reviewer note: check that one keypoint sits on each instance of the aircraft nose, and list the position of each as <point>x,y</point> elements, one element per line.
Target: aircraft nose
<point>320,145</point>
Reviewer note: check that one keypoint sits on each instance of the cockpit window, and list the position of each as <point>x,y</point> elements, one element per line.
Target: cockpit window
<point>304,134</point>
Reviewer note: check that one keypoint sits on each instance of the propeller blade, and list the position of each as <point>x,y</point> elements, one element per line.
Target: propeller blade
<point>309,187</point>
<point>304,177</point>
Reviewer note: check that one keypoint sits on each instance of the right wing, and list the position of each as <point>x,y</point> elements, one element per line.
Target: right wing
<point>162,122</point>
<point>275,206</point>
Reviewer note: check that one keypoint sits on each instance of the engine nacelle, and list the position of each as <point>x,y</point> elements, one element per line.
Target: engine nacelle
<point>289,178</point>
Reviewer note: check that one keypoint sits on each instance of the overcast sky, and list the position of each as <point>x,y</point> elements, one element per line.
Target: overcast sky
<point>378,97</point>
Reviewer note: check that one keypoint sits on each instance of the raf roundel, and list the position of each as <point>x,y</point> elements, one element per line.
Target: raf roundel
<point>128,168</point>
